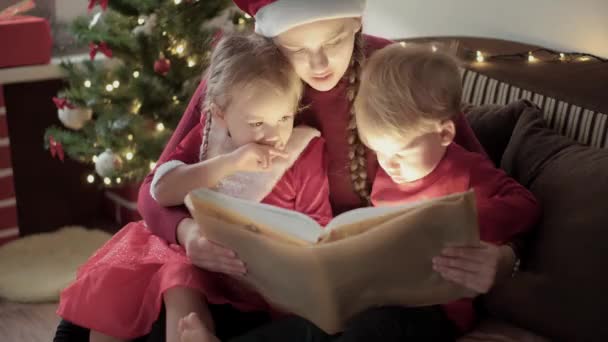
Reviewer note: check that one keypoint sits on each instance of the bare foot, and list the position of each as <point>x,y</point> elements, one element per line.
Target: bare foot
<point>191,329</point>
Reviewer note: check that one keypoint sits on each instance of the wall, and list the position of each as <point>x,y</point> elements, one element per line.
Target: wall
<point>565,25</point>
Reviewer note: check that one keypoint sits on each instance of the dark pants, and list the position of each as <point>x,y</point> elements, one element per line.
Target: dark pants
<point>380,324</point>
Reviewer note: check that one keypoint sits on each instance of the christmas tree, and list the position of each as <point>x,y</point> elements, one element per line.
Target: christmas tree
<point>119,111</point>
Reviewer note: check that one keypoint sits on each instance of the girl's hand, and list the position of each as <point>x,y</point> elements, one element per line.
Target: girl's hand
<point>255,157</point>
<point>207,254</point>
<point>474,267</point>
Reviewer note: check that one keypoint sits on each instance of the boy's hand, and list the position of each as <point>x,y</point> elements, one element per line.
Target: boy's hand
<point>255,157</point>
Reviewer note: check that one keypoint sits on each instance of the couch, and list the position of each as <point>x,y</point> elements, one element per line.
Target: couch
<point>560,152</point>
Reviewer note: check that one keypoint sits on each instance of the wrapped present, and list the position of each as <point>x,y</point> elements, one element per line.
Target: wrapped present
<point>25,40</point>
<point>121,204</point>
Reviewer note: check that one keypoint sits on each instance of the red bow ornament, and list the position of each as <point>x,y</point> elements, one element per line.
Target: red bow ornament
<point>62,103</point>
<point>103,47</point>
<point>102,3</point>
<point>56,148</point>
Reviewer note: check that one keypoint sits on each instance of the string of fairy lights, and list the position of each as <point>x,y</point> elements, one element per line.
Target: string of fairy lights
<point>531,56</point>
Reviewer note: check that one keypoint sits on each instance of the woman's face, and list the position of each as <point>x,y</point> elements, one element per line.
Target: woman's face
<point>320,52</point>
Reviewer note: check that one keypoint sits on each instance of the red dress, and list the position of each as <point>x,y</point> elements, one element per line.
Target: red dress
<point>118,292</point>
<point>504,207</point>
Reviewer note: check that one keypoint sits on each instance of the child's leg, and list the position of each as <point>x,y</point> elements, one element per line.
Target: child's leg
<point>192,329</point>
<point>179,302</point>
<point>99,337</point>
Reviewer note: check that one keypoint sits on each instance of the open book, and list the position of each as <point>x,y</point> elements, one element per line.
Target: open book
<point>364,258</point>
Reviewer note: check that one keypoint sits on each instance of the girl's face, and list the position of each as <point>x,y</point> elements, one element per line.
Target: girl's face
<point>320,52</point>
<point>408,160</point>
<point>259,114</point>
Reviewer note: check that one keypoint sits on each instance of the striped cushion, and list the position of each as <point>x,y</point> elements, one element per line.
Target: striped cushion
<point>583,125</point>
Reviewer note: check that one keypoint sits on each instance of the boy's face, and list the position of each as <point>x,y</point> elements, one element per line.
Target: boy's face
<point>408,160</point>
<point>259,115</point>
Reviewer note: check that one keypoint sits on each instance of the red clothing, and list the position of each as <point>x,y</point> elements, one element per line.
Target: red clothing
<point>328,112</point>
<point>119,290</point>
<point>505,208</point>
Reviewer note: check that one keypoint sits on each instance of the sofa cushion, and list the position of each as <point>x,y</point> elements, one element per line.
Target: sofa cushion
<point>561,292</point>
<point>493,125</point>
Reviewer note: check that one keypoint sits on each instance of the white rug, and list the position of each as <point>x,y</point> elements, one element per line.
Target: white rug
<point>36,268</point>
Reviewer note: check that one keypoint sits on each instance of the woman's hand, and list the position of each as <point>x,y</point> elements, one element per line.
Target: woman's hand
<point>477,268</point>
<point>205,253</point>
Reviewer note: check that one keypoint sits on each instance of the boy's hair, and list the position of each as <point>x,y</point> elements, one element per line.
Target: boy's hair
<point>240,62</point>
<point>404,89</point>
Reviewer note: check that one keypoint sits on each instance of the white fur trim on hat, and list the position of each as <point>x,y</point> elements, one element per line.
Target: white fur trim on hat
<point>282,15</point>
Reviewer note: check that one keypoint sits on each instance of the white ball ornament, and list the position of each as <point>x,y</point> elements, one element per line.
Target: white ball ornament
<point>108,163</point>
<point>74,118</point>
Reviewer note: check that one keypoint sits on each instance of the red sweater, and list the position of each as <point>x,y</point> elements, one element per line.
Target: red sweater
<point>505,208</point>
<point>328,112</point>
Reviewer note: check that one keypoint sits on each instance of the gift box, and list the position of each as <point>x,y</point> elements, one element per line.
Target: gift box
<point>25,40</point>
<point>121,204</point>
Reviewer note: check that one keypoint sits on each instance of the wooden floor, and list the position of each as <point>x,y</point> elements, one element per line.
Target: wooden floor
<point>27,322</point>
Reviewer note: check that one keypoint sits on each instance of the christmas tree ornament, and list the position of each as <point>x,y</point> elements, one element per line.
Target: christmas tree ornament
<point>71,116</point>
<point>95,20</point>
<point>121,123</point>
<point>162,65</point>
<point>101,47</point>
<point>56,148</point>
<point>149,23</point>
<point>75,118</point>
<point>108,163</point>
<point>102,3</point>
<point>62,103</point>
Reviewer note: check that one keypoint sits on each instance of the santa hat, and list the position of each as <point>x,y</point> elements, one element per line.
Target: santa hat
<point>273,17</point>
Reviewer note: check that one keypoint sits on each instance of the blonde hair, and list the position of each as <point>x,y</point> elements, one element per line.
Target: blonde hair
<point>357,151</point>
<point>241,62</point>
<point>404,89</point>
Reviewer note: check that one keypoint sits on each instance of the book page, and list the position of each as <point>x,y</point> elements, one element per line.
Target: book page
<point>360,220</point>
<point>264,216</point>
<point>367,213</point>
